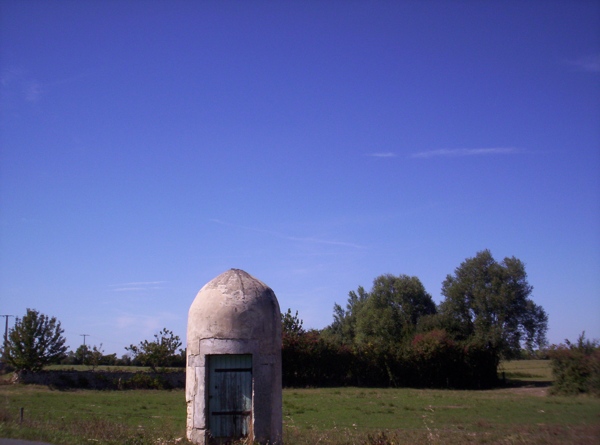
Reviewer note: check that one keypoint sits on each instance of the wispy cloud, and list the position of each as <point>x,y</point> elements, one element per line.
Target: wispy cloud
<point>147,322</point>
<point>388,154</point>
<point>32,91</point>
<point>457,152</point>
<point>137,286</point>
<point>10,76</point>
<point>21,86</point>
<point>17,84</point>
<point>589,64</point>
<point>289,237</point>
<point>142,324</point>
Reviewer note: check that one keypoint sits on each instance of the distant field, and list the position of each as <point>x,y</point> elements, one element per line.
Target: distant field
<point>527,370</point>
<point>333,416</point>
<point>102,368</point>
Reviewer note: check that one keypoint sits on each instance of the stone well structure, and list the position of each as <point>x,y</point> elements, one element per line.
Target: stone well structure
<point>233,375</point>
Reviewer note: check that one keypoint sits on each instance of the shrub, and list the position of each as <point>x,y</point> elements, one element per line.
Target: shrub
<point>308,360</point>
<point>576,367</point>
<point>146,381</point>
<point>434,359</point>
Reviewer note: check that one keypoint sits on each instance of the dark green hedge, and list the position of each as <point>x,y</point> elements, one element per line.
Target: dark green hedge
<point>431,360</point>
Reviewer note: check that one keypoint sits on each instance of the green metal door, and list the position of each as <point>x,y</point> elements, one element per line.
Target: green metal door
<point>230,395</point>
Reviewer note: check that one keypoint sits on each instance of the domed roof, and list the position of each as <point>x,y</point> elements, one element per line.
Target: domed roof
<point>235,305</point>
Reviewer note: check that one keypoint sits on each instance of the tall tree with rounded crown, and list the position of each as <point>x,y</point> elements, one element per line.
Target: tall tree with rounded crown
<point>391,312</point>
<point>489,303</point>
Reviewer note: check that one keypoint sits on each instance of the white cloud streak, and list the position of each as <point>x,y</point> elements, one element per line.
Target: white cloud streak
<point>19,85</point>
<point>137,286</point>
<point>590,64</point>
<point>382,155</point>
<point>132,321</point>
<point>288,237</point>
<point>459,152</point>
<point>32,91</point>
<point>141,324</point>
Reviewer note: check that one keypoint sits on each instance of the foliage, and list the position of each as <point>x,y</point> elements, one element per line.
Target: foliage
<point>434,356</point>
<point>343,329</point>
<point>159,353</point>
<point>392,310</point>
<point>383,317</point>
<point>488,304</point>
<point>431,359</point>
<point>93,357</point>
<point>291,324</point>
<point>81,355</point>
<point>35,341</point>
<point>145,381</point>
<point>395,336</point>
<point>576,367</point>
<point>308,360</point>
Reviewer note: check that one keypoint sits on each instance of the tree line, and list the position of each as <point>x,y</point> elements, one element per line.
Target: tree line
<point>391,335</point>
<point>395,335</point>
<point>37,340</point>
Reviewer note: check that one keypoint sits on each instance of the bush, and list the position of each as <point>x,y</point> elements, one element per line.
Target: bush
<point>576,367</point>
<point>435,360</point>
<point>308,360</point>
<point>146,381</point>
<point>432,359</point>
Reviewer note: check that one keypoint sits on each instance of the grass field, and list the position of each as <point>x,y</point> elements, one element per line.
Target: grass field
<point>101,368</point>
<point>526,370</point>
<point>518,414</point>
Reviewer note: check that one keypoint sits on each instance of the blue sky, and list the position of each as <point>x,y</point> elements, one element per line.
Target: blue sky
<point>148,146</point>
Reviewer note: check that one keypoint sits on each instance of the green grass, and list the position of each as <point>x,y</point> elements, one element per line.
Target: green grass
<point>104,368</point>
<point>527,370</point>
<point>332,416</point>
<point>360,408</point>
<point>68,417</point>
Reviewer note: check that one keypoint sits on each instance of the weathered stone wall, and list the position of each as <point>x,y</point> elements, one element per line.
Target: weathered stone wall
<point>102,379</point>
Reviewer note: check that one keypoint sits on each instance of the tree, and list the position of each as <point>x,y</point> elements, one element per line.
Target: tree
<point>488,303</point>
<point>343,329</point>
<point>383,317</point>
<point>291,324</point>
<point>392,311</point>
<point>94,356</point>
<point>158,353</point>
<point>35,341</point>
<point>307,359</point>
<point>82,355</point>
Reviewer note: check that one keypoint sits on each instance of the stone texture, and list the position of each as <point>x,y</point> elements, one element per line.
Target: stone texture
<point>236,313</point>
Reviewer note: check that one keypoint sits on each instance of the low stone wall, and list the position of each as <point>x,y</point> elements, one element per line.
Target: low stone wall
<point>102,379</point>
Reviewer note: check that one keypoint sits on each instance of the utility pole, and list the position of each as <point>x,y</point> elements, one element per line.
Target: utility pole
<point>5,335</point>
<point>84,335</point>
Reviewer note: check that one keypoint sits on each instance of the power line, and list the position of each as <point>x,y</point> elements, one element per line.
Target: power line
<point>84,335</point>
